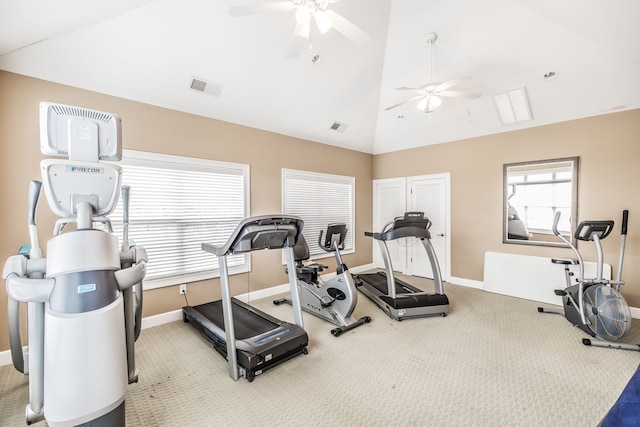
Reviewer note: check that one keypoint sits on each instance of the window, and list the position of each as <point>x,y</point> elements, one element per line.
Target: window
<point>538,194</point>
<point>176,204</point>
<point>319,199</point>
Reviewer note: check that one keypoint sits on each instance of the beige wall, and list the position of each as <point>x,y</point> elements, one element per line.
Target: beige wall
<point>154,129</point>
<point>608,146</point>
<point>609,150</point>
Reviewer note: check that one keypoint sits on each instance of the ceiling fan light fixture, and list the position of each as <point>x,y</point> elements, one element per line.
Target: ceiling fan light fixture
<point>429,103</point>
<point>323,21</point>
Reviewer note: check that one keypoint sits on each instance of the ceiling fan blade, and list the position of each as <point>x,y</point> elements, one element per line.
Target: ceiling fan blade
<point>415,89</point>
<point>451,83</point>
<point>415,98</point>
<point>347,28</point>
<point>460,94</point>
<point>298,39</point>
<point>252,9</point>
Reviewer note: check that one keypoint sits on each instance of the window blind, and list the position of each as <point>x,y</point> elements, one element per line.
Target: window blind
<point>319,199</point>
<point>176,204</point>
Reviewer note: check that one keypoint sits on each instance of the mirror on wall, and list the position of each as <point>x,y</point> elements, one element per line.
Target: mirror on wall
<point>533,193</point>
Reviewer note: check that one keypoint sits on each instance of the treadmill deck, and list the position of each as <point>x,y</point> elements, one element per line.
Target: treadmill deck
<point>410,302</point>
<point>262,341</point>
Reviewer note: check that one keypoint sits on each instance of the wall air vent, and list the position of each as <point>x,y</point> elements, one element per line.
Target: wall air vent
<point>204,86</point>
<point>338,127</point>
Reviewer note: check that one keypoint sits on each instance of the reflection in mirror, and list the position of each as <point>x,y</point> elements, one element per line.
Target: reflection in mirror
<point>533,193</point>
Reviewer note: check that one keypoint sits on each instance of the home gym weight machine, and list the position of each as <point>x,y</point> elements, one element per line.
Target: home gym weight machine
<point>395,297</point>
<point>251,340</point>
<point>335,299</point>
<point>595,305</point>
<point>84,300</point>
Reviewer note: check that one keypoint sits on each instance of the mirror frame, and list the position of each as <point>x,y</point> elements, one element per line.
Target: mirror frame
<point>575,170</point>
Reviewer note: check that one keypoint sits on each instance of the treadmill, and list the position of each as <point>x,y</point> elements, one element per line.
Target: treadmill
<point>399,299</point>
<point>252,341</point>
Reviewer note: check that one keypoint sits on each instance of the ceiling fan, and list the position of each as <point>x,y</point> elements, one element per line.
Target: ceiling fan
<point>429,95</point>
<point>305,12</point>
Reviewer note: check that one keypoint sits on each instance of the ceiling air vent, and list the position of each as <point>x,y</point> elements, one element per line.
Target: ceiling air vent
<point>204,86</point>
<point>513,106</point>
<point>338,127</point>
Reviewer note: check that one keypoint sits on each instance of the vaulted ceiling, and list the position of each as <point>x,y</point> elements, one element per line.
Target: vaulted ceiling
<point>150,51</point>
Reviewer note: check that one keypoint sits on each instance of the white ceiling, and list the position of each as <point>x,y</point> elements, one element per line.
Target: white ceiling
<point>148,51</point>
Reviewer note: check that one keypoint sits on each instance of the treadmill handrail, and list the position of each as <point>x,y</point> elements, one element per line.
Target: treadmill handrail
<point>260,232</point>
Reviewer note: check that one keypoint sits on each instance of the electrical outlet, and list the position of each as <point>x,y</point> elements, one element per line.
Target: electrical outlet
<point>183,289</point>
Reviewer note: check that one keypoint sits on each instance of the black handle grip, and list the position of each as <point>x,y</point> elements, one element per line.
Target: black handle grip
<point>625,220</point>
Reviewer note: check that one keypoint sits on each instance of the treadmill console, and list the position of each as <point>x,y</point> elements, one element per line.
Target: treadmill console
<point>260,232</point>
<point>412,219</point>
<point>412,224</point>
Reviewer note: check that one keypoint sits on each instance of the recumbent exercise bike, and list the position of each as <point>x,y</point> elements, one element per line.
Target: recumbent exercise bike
<point>335,299</point>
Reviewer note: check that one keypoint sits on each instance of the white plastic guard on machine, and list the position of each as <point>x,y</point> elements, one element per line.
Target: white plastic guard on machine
<point>68,182</point>
<point>82,250</point>
<point>65,129</point>
<point>86,364</point>
<point>530,277</point>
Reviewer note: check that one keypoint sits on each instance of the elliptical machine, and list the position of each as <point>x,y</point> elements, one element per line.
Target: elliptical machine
<point>83,314</point>
<point>333,300</point>
<point>595,305</point>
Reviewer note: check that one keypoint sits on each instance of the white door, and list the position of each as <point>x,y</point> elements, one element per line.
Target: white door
<point>430,194</point>
<point>389,201</point>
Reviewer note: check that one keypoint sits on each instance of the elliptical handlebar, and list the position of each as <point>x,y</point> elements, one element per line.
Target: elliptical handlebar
<point>554,228</point>
<point>623,241</point>
<point>34,194</point>
<point>625,220</point>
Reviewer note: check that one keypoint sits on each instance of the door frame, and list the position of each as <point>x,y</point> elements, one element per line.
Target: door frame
<point>445,268</point>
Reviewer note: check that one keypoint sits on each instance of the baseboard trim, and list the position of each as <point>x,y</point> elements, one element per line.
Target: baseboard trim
<point>466,282</point>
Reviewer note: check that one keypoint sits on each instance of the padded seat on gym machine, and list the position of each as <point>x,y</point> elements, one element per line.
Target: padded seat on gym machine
<point>307,273</point>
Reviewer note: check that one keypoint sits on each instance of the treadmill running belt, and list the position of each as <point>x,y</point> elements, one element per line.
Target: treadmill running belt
<point>379,281</point>
<point>246,324</point>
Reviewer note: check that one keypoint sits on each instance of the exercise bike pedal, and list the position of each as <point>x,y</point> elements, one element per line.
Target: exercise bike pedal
<point>560,292</point>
